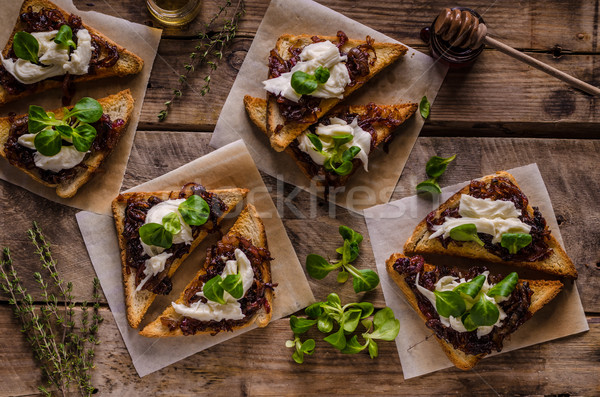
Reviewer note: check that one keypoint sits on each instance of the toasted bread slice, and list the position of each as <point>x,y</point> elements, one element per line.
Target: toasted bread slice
<point>257,111</point>
<point>249,226</point>
<point>558,263</point>
<point>138,302</point>
<point>543,292</point>
<point>128,63</point>
<point>117,106</point>
<point>281,137</point>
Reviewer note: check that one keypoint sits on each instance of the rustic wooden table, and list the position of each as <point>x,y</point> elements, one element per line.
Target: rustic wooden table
<point>498,114</point>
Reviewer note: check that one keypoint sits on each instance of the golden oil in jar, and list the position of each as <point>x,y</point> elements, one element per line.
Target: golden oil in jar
<point>174,12</point>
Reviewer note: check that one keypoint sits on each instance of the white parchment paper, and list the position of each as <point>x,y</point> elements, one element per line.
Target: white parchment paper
<point>390,225</point>
<point>97,194</point>
<point>230,166</point>
<point>408,80</point>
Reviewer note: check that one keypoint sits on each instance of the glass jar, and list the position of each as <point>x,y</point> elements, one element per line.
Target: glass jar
<point>174,12</point>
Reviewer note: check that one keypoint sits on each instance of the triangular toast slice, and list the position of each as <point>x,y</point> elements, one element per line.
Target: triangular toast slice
<point>117,106</point>
<point>554,262</point>
<point>283,132</point>
<point>138,302</point>
<point>543,292</point>
<point>395,115</point>
<point>249,227</point>
<point>128,63</point>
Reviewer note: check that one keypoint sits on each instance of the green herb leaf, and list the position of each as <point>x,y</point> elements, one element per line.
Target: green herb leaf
<point>472,287</point>
<point>314,310</point>
<point>449,303</point>
<point>155,234</point>
<point>350,319</point>
<point>424,107</point>
<point>322,75</point>
<point>429,186</point>
<point>304,83</point>
<point>308,346</point>
<point>337,339</point>
<point>341,139</point>
<point>484,312</point>
<point>324,323</point>
<point>301,325</point>
<point>468,322</point>
<point>466,232</point>
<point>353,346</point>
<point>366,308</point>
<point>194,211</point>
<point>316,141</point>
<point>48,142</point>
<point>86,110</point>
<point>385,325</point>
<point>436,166</point>
<point>350,153</point>
<point>344,169</point>
<point>65,37</point>
<point>364,279</point>
<point>318,267</point>
<point>26,46</point>
<point>342,276</point>
<point>334,300</point>
<point>514,242</point>
<point>232,283</point>
<point>66,131</point>
<point>171,223</point>
<point>38,119</point>
<point>504,287</point>
<point>350,235</point>
<point>213,290</point>
<point>373,348</point>
<point>83,136</point>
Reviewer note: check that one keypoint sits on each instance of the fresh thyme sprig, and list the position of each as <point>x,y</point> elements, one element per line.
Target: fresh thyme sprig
<point>209,50</point>
<point>65,353</point>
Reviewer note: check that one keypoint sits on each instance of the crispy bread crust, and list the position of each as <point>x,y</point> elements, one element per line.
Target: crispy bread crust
<point>543,292</point>
<point>387,53</point>
<point>250,226</point>
<point>119,105</point>
<point>256,108</point>
<point>558,264</point>
<point>137,303</point>
<point>128,62</point>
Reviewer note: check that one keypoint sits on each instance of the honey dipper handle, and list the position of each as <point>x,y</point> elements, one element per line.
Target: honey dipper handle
<point>582,85</point>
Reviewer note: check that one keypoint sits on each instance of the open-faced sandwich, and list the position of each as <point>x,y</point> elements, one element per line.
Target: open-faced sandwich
<point>491,219</point>
<point>231,291</point>
<point>158,230</point>
<point>471,314</point>
<point>309,75</point>
<point>51,48</point>
<point>64,148</point>
<point>341,141</point>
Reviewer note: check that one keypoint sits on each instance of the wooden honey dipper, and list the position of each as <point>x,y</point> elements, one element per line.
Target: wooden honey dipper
<point>462,29</point>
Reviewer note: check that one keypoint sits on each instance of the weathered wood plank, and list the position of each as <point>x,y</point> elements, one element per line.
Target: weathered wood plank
<point>258,363</point>
<point>566,165</point>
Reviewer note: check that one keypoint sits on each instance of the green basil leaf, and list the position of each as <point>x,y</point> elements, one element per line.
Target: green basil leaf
<point>65,37</point>
<point>38,119</point>
<point>468,322</point>
<point>472,287</point>
<point>436,166</point>
<point>366,308</point>
<point>373,349</point>
<point>337,339</point>
<point>385,325</point>
<point>350,319</point>
<point>324,323</point>
<point>314,139</point>
<point>87,110</point>
<point>429,186</point>
<point>484,312</point>
<point>213,290</point>
<point>308,346</point>
<point>155,234</point>
<point>504,287</point>
<point>344,169</point>
<point>233,284</point>
<point>342,276</point>
<point>350,235</point>
<point>350,153</point>
<point>314,310</point>
<point>83,137</point>
<point>48,142</point>
<point>171,223</point>
<point>318,267</point>
<point>364,280</point>
<point>353,346</point>
<point>322,75</point>
<point>194,211</point>
<point>513,242</point>
<point>449,303</point>
<point>424,107</point>
<point>26,46</point>
<point>466,232</point>
<point>301,325</point>
<point>304,83</point>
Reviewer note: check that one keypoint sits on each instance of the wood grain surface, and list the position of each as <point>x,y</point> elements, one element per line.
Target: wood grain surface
<point>497,114</point>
